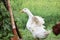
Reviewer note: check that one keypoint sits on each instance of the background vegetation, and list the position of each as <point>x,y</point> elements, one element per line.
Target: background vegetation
<point>48,9</point>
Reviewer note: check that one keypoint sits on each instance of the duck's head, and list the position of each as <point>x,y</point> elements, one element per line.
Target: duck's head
<point>25,10</point>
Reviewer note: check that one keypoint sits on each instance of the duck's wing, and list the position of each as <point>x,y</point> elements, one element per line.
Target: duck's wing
<point>38,20</point>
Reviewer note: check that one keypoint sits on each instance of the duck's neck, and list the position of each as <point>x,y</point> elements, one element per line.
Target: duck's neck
<point>29,14</point>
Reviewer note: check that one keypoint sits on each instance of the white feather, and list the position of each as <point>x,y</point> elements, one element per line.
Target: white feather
<point>35,25</point>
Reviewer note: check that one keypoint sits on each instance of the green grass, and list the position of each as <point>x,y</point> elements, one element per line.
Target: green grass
<point>48,9</point>
<point>28,36</point>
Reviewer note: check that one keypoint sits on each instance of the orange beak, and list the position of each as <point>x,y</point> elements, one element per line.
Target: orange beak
<point>21,11</point>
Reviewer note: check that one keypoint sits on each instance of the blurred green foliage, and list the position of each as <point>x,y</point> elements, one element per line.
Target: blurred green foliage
<point>5,25</point>
<point>48,9</point>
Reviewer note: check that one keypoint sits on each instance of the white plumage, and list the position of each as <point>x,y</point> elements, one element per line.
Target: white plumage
<point>35,25</point>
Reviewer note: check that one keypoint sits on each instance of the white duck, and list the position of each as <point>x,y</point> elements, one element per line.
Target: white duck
<point>35,25</point>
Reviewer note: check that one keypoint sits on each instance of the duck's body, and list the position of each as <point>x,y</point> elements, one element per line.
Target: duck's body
<point>35,28</point>
<point>35,25</point>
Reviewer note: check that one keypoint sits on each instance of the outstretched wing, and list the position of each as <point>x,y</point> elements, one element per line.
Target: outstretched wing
<point>38,20</point>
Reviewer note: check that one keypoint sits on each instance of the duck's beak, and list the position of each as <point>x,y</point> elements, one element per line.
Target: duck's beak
<point>21,11</point>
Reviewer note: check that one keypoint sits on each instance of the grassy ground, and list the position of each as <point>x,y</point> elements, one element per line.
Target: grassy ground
<point>28,36</point>
<point>48,9</point>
